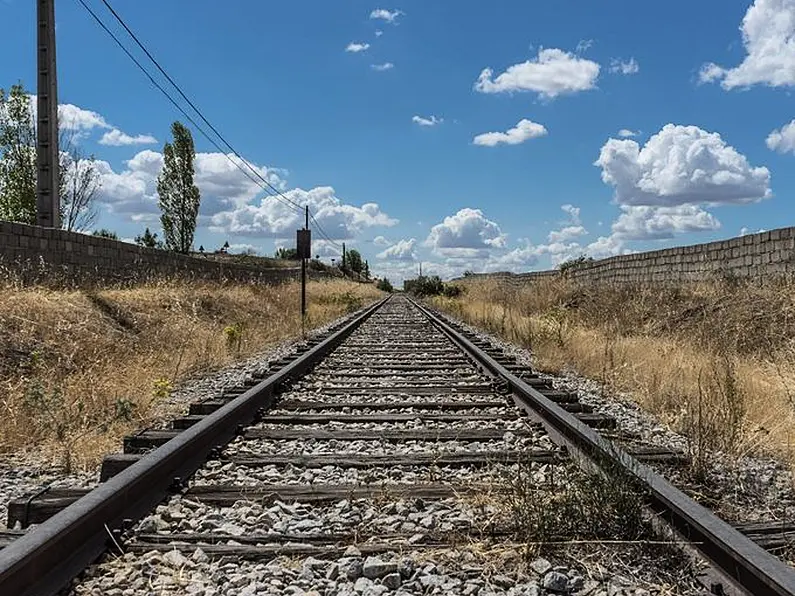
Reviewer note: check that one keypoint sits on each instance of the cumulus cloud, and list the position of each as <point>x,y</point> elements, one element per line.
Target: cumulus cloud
<point>117,138</point>
<point>565,234</point>
<point>768,32</point>
<point>681,165</point>
<point>605,246</point>
<point>782,139</point>
<point>573,213</point>
<point>523,131</point>
<point>553,72</point>
<point>381,241</point>
<point>378,33</point>
<point>357,47</point>
<point>390,16</point>
<point>468,233</point>
<point>626,133</point>
<point>625,67</point>
<point>271,218</point>
<point>231,201</point>
<point>382,67</point>
<point>431,121</point>
<point>72,117</point>
<point>402,251</point>
<point>661,223</point>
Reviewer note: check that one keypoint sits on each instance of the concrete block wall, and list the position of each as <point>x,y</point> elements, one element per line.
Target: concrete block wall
<point>36,254</point>
<point>754,257</point>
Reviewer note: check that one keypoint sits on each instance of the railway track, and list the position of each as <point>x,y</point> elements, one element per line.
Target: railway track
<point>385,440</point>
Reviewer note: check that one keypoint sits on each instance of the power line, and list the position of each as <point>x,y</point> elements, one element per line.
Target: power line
<point>191,104</point>
<point>323,232</point>
<point>157,85</point>
<point>268,187</point>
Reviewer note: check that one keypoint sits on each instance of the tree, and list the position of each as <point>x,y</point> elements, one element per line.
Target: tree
<point>353,259</point>
<point>385,285</point>
<point>287,253</point>
<point>366,270</point>
<point>79,179</point>
<point>79,182</point>
<point>149,240</point>
<point>179,196</point>
<point>17,157</point>
<point>103,233</point>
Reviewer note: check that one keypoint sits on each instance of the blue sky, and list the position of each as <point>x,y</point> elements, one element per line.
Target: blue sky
<point>620,125</point>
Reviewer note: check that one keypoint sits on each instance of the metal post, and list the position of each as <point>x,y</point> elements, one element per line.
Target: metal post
<point>343,258</point>
<point>48,206</point>
<point>303,273</point>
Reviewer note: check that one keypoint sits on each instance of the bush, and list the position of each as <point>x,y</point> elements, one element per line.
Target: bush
<point>578,263</point>
<point>431,286</point>
<point>385,285</point>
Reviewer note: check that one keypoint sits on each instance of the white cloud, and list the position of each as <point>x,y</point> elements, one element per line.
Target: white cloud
<point>357,47</point>
<point>468,233</point>
<point>382,67</point>
<point>269,218</point>
<point>768,31</point>
<point>681,165</point>
<point>381,241</point>
<point>625,67</point>
<point>662,223</point>
<point>565,234</point>
<point>625,133</point>
<point>709,73</point>
<point>554,72</point>
<point>71,117</point>
<point>223,186</point>
<point>378,33</point>
<point>573,213</point>
<point>603,247</point>
<point>390,16</point>
<point>432,121</point>
<point>402,251</point>
<point>117,138</point>
<point>782,139</point>
<point>520,133</point>
<point>584,45</point>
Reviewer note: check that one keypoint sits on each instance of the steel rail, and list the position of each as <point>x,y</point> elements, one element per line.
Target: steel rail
<point>44,560</point>
<point>744,563</point>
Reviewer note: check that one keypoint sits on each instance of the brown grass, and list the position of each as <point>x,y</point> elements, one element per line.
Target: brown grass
<point>715,361</point>
<point>79,369</point>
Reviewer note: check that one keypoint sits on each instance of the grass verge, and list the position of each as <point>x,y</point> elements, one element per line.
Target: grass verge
<point>714,361</point>
<point>80,368</point>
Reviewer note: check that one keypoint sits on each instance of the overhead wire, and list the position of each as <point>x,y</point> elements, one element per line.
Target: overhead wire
<point>160,88</point>
<point>192,105</point>
<point>262,182</point>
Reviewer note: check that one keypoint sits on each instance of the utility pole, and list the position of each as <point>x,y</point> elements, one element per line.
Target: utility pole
<point>48,205</point>
<point>303,269</point>
<point>343,258</point>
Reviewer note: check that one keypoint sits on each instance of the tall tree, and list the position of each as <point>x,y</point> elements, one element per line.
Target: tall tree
<point>354,260</point>
<point>79,182</point>
<point>148,239</point>
<point>179,196</point>
<point>17,157</point>
<point>79,178</point>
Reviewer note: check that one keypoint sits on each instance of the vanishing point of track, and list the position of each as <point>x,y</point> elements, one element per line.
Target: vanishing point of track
<point>396,373</point>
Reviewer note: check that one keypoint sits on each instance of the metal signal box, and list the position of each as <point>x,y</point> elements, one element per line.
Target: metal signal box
<point>304,244</point>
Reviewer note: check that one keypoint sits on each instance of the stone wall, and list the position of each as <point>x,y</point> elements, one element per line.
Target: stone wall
<point>42,255</point>
<point>754,257</point>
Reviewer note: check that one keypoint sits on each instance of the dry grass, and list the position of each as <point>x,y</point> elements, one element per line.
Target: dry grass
<point>78,369</point>
<point>715,361</point>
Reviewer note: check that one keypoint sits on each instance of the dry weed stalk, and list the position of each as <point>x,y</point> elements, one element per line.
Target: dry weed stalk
<point>725,345</point>
<point>78,369</point>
